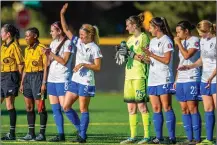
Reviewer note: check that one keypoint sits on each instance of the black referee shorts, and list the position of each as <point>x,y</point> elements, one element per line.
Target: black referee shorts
<point>10,84</point>
<point>32,85</point>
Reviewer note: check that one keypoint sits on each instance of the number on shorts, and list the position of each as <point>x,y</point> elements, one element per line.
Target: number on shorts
<point>139,94</point>
<point>193,90</point>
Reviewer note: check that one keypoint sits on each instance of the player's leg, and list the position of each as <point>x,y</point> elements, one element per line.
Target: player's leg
<point>209,98</point>
<point>9,90</point>
<point>186,116</point>
<point>70,97</point>
<point>39,98</point>
<point>55,100</point>
<point>142,99</point>
<point>129,98</point>
<point>166,100</point>
<point>13,118</point>
<point>30,105</point>
<point>157,113</point>
<point>191,90</point>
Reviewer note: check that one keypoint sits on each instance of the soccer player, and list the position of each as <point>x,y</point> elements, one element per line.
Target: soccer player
<point>187,82</point>
<point>11,70</point>
<point>33,84</point>
<point>207,60</point>
<point>160,79</point>
<point>82,85</point>
<point>60,72</point>
<point>136,77</point>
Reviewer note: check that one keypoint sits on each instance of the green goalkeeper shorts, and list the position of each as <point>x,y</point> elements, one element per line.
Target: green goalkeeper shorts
<point>135,91</point>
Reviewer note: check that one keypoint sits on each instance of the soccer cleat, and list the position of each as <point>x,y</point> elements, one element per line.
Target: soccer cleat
<point>157,141</point>
<point>205,142</point>
<point>128,141</point>
<point>79,139</point>
<point>28,137</point>
<point>40,137</point>
<point>172,141</point>
<point>144,141</point>
<point>8,136</point>
<point>57,138</point>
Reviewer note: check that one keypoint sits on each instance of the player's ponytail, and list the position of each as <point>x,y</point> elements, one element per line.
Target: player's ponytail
<point>96,36</point>
<point>14,32</point>
<point>138,20</point>
<point>166,28</point>
<point>17,36</point>
<point>206,26</point>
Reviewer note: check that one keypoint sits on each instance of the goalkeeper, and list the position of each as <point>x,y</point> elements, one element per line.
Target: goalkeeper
<point>136,76</point>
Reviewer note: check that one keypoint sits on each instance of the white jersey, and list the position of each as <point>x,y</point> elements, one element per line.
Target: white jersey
<point>86,53</point>
<point>59,73</point>
<point>159,73</point>
<point>208,55</point>
<point>194,74</point>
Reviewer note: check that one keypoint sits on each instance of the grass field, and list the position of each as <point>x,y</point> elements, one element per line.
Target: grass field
<point>108,122</point>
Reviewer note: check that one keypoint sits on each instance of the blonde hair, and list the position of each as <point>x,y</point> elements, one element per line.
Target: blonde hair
<point>93,31</point>
<point>206,26</point>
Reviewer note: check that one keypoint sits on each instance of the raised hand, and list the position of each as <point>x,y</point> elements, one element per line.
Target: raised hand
<point>64,8</point>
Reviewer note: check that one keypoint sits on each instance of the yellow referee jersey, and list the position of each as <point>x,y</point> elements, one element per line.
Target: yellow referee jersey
<point>35,58</point>
<point>11,57</point>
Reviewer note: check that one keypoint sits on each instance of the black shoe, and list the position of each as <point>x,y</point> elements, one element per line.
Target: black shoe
<point>157,141</point>
<point>79,139</point>
<point>172,141</point>
<point>57,138</point>
<point>40,137</point>
<point>8,136</point>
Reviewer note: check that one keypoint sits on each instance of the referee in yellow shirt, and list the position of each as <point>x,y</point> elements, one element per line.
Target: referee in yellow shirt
<point>11,70</point>
<point>33,84</point>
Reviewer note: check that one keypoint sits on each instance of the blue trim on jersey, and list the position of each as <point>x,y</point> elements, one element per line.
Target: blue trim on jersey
<point>81,90</point>
<point>207,91</point>
<point>161,89</point>
<point>189,91</point>
<point>56,89</point>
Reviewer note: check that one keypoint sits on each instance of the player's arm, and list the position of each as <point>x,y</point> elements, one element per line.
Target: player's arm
<point>19,59</point>
<point>196,64</point>
<point>95,67</point>
<point>61,60</point>
<point>213,74</point>
<point>63,22</point>
<point>165,59</point>
<point>186,53</point>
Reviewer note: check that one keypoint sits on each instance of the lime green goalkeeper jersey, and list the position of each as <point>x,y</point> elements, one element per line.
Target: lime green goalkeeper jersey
<point>135,69</point>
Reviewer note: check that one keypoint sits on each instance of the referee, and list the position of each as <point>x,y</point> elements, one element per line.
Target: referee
<point>11,70</point>
<point>33,84</point>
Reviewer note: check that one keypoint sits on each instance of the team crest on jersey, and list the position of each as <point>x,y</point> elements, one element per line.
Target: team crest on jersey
<point>196,44</point>
<point>211,45</point>
<point>170,45</point>
<point>70,47</point>
<point>137,42</point>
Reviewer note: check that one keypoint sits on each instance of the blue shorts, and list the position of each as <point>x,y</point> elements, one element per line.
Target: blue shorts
<point>161,89</point>
<point>189,91</point>
<point>81,90</point>
<point>56,89</point>
<point>207,91</point>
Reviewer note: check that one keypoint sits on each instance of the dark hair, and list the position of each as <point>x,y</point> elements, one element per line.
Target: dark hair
<point>34,30</point>
<point>58,26</point>
<point>161,22</point>
<point>185,25</point>
<point>138,20</point>
<point>15,33</point>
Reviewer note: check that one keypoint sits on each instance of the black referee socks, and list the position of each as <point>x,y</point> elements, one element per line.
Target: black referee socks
<point>13,119</point>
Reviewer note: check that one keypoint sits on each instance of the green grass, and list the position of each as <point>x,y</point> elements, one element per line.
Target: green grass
<point>108,121</point>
